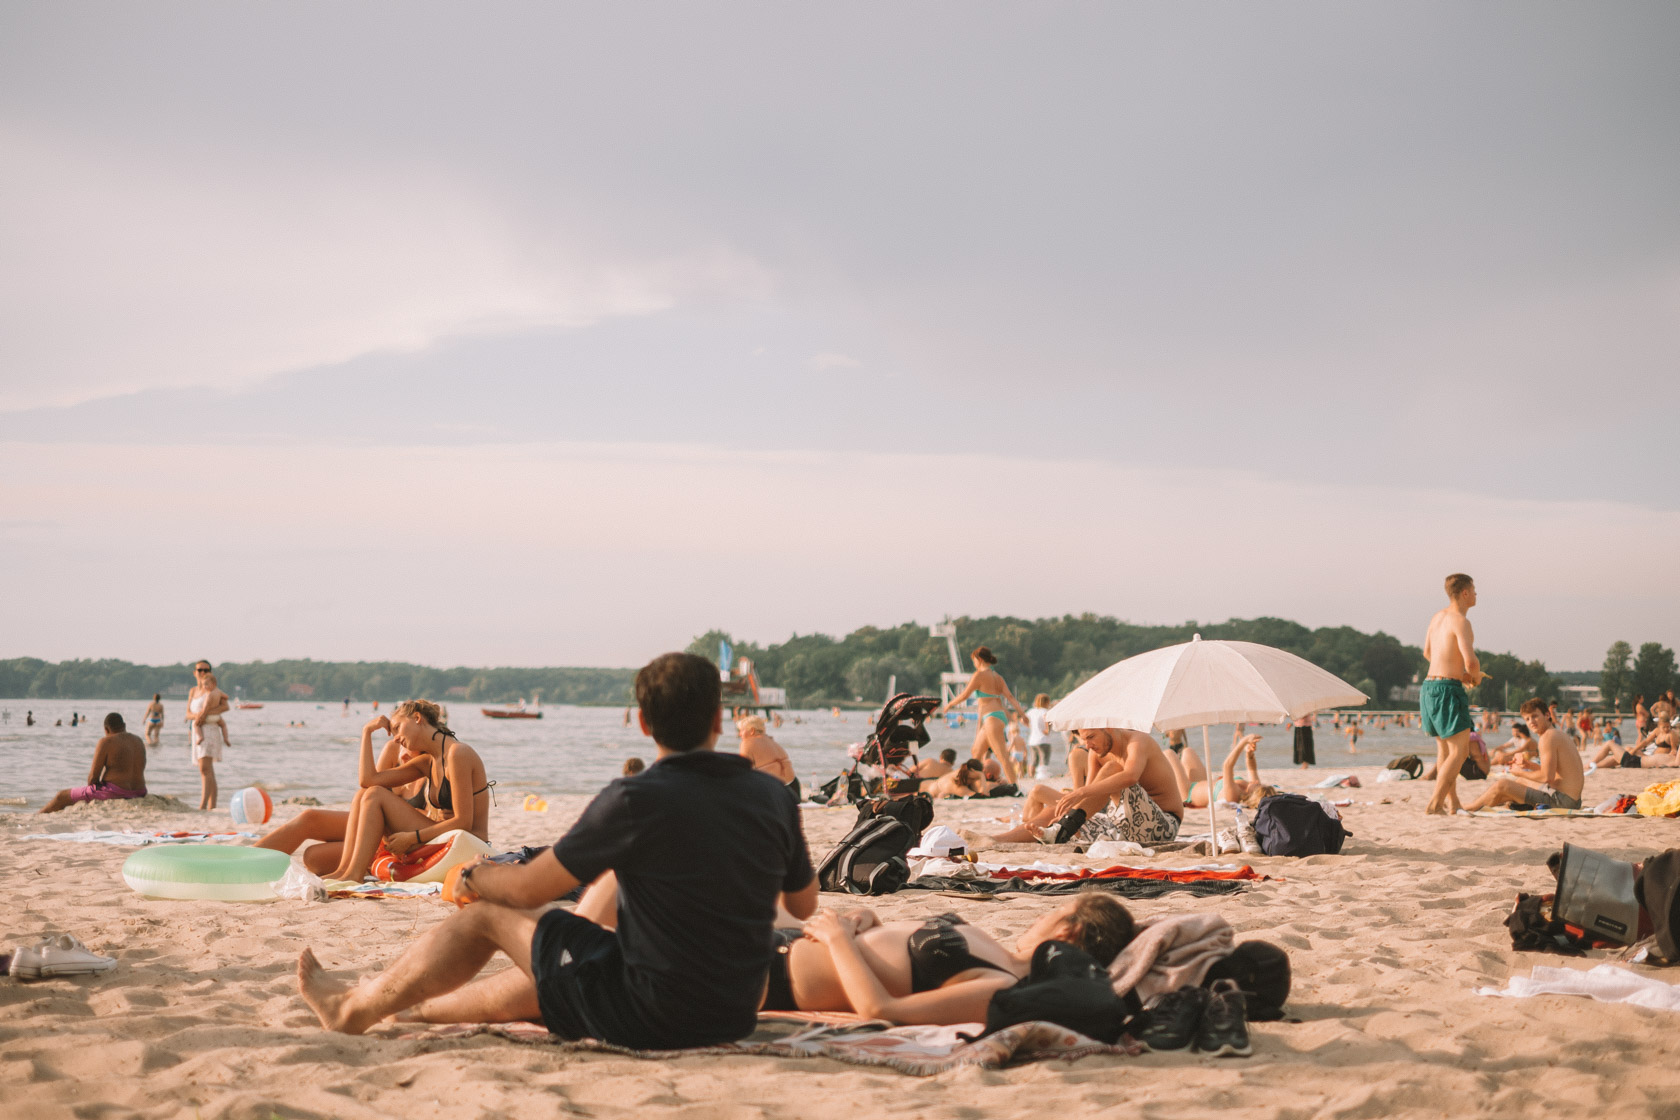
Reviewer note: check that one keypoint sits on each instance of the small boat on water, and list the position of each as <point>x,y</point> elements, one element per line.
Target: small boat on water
<point>246,705</point>
<point>521,712</point>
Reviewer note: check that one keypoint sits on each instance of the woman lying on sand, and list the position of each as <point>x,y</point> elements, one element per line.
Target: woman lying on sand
<point>940,971</point>
<point>1229,787</point>
<point>431,756</point>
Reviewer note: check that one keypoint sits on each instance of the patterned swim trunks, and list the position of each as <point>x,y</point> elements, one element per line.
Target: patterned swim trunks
<point>1137,818</point>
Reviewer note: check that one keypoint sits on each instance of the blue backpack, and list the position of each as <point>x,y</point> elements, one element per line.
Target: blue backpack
<point>1291,825</point>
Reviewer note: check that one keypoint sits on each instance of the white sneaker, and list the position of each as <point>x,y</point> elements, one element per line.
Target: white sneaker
<point>57,954</point>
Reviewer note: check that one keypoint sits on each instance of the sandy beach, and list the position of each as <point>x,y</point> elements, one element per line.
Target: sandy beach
<point>1388,940</point>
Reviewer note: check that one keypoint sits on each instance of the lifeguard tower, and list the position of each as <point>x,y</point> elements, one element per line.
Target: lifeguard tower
<point>956,680</point>
<point>741,690</point>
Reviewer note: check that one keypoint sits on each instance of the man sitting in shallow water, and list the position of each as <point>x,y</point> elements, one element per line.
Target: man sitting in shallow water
<point>1555,782</point>
<point>702,847</point>
<point>118,771</point>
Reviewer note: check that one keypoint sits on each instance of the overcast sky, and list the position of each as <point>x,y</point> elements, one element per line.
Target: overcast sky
<point>551,334</point>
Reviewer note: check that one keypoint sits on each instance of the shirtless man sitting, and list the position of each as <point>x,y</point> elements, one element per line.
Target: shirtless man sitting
<point>766,754</point>
<point>118,771</point>
<point>1450,646</point>
<point>1132,795</point>
<point>937,767</point>
<point>1555,783</point>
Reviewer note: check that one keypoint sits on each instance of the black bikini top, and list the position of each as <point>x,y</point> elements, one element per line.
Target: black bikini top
<point>939,951</point>
<point>441,796</point>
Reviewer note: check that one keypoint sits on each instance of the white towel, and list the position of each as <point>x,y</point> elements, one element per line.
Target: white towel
<point>1605,983</point>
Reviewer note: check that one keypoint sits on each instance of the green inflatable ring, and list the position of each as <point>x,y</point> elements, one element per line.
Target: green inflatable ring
<point>205,871</point>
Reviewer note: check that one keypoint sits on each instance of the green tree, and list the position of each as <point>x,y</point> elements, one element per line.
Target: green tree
<point>1653,671</point>
<point>1616,679</point>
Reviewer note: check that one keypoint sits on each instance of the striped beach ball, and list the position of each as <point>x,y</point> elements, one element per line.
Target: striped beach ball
<point>251,806</point>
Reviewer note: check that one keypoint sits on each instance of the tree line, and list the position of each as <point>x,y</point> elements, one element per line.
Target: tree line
<point>321,681</point>
<point>1056,655</point>
<point>1051,655</point>
<point>1627,676</point>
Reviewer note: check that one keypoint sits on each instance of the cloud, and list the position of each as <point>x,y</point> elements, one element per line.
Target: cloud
<point>830,360</point>
<point>177,269</point>
<point>613,552</point>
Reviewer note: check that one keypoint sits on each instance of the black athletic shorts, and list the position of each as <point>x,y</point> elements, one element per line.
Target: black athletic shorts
<point>579,972</point>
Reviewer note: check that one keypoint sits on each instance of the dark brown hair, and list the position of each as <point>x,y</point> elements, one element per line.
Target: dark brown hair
<point>1101,926</point>
<point>1457,584</point>
<point>633,766</point>
<point>679,695</point>
<point>1534,706</point>
<point>114,723</point>
<point>981,653</point>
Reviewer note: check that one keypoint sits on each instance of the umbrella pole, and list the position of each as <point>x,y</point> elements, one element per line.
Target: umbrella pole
<point>1213,824</point>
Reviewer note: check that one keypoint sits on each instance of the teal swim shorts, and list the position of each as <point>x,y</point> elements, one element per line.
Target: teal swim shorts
<point>1445,708</point>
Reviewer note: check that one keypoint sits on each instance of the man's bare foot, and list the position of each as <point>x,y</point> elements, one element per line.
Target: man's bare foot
<point>1435,809</point>
<point>325,997</point>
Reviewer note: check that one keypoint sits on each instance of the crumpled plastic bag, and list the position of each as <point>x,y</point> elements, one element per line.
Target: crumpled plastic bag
<point>1114,849</point>
<point>302,884</point>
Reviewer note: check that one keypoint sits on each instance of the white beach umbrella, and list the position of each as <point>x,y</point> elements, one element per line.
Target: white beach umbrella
<point>1200,683</point>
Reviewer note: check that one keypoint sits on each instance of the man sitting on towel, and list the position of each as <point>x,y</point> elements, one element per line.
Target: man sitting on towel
<point>702,846</point>
<point>1554,782</point>
<point>1132,795</point>
<point>118,771</point>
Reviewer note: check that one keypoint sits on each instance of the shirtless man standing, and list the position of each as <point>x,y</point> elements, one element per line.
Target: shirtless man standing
<point>766,754</point>
<point>1450,647</point>
<point>1132,795</point>
<point>118,771</point>
<point>1554,783</point>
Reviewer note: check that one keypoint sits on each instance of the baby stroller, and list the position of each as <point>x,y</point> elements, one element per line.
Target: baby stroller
<point>899,733</point>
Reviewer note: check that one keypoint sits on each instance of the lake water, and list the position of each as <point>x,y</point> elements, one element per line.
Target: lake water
<point>301,748</point>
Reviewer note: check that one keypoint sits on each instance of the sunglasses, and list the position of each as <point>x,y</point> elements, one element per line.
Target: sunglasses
<point>201,670</point>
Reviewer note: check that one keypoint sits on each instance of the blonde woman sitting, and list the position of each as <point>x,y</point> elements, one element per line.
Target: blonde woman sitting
<point>457,793</point>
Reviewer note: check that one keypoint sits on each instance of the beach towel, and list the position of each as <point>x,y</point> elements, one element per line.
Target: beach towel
<point>344,888</point>
<point>917,1051</point>
<point>141,839</point>
<point>1128,882</point>
<point>1606,983</point>
<point>1171,951</point>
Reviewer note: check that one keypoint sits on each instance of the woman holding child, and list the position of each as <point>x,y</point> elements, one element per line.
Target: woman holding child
<point>423,757</point>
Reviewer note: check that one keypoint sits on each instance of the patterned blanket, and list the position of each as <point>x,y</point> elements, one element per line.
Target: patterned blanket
<point>917,1051</point>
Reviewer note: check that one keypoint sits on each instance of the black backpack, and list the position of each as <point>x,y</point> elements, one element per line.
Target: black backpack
<point>1291,825</point>
<point>916,811</point>
<point>1066,987</point>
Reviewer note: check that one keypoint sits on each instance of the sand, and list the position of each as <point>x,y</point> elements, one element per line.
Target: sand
<point>1389,941</point>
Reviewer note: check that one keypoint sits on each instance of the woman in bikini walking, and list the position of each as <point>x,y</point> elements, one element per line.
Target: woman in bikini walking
<point>992,693</point>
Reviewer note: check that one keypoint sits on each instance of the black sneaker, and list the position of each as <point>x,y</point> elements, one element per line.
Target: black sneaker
<point>1065,829</point>
<point>1224,1029</point>
<point>1174,1018</point>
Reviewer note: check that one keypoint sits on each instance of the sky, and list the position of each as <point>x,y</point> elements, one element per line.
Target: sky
<point>558,334</point>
